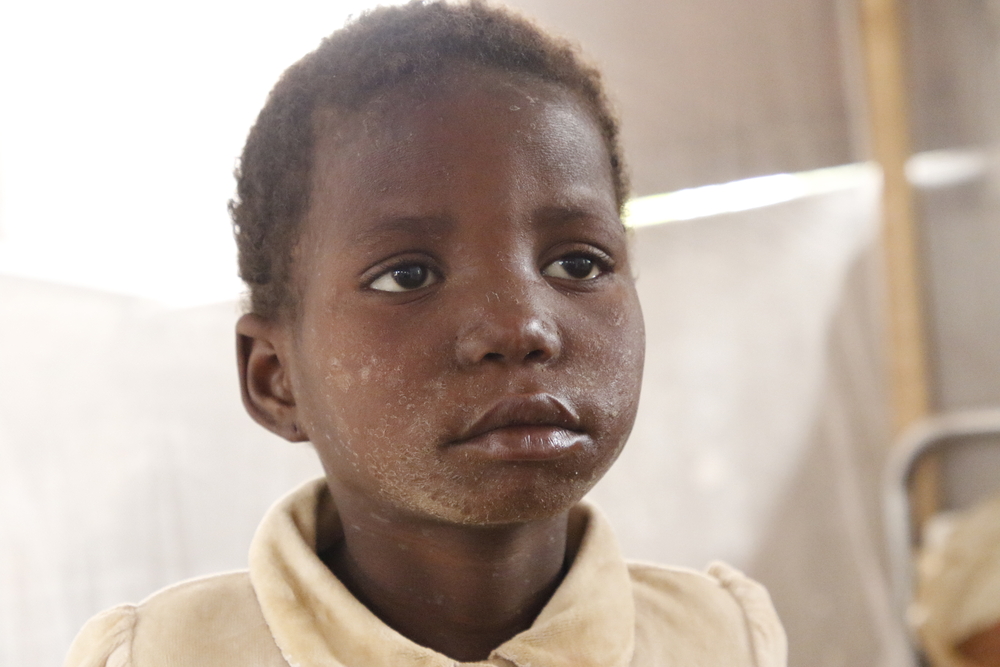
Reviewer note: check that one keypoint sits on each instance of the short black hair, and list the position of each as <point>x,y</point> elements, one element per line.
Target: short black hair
<point>382,48</point>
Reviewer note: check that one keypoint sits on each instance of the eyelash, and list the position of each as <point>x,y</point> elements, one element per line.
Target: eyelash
<point>389,279</point>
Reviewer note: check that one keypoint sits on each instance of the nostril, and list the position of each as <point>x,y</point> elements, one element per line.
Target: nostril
<point>511,339</point>
<point>536,355</point>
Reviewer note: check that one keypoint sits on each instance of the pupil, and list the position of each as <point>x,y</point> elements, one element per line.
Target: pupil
<point>410,277</point>
<point>578,267</point>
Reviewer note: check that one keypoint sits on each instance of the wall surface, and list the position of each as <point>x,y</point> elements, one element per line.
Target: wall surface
<point>715,90</point>
<point>954,50</point>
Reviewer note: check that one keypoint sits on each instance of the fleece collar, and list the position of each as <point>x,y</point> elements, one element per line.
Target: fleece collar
<point>588,622</point>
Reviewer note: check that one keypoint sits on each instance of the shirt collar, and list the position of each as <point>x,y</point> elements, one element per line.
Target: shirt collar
<point>588,622</point>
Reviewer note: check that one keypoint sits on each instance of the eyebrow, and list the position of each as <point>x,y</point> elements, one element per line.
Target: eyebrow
<point>572,213</point>
<point>411,225</point>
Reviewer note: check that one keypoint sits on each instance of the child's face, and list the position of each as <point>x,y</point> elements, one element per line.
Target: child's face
<point>469,343</point>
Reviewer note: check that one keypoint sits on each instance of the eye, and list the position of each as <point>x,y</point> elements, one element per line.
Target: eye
<point>574,267</point>
<point>404,278</point>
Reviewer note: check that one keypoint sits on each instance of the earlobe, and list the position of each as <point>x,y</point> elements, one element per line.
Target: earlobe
<point>264,380</point>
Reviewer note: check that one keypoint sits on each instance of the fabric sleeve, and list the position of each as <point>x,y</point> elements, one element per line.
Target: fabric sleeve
<point>105,641</point>
<point>767,636</point>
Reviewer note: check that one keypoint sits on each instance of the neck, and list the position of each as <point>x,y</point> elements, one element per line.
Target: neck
<point>460,590</point>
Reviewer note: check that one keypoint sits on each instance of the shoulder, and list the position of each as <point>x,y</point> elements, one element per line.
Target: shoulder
<point>105,640</point>
<point>212,620</point>
<point>689,616</point>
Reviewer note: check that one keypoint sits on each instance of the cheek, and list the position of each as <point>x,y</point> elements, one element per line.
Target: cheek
<point>619,335</point>
<point>367,388</point>
<point>611,351</point>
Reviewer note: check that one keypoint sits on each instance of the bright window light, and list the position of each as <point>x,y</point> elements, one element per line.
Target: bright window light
<point>943,168</point>
<point>743,195</point>
<point>120,126</point>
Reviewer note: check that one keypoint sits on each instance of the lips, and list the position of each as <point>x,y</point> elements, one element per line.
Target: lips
<point>525,427</point>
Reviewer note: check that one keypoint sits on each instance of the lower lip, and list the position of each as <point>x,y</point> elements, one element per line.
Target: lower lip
<point>524,443</point>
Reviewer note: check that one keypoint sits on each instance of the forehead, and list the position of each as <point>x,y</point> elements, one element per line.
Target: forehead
<point>460,92</point>
<point>473,132</point>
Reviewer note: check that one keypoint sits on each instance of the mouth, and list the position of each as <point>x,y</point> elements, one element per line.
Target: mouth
<point>534,427</point>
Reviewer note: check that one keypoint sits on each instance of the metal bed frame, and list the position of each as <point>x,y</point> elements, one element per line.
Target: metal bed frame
<point>941,435</point>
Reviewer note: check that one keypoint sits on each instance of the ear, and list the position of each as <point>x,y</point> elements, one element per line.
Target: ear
<point>264,379</point>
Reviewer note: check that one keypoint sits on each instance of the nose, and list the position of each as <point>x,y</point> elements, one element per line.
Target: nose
<point>509,330</point>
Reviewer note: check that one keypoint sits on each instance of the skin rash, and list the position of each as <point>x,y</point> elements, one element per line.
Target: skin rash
<point>466,352</point>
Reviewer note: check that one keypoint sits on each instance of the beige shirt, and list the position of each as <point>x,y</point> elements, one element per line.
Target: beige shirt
<point>290,610</point>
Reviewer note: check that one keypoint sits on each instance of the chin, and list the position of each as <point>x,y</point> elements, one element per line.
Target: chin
<point>511,502</point>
